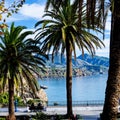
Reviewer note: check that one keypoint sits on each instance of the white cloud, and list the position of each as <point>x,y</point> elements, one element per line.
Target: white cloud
<point>28,11</point>
<point>32,10</point>
<point>15,17</point>
<point>105,50</point>
<point>108,23</point>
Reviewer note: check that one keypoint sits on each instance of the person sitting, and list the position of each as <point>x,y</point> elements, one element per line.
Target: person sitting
<point>32,107</point>
<point>40,106</point>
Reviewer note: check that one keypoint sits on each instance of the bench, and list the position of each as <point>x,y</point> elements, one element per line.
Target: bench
<point>39,107</point>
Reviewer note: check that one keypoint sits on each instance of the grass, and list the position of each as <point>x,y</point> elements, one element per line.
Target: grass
<point>2,118</point>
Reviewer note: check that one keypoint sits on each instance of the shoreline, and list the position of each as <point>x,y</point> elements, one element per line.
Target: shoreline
<point>58,76</point>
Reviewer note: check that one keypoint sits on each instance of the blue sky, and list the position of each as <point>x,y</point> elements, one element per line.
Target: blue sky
<point>33,10</point>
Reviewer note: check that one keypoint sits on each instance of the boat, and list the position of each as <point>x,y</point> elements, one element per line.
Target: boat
<point>101,72</point>
<point>43,87</point>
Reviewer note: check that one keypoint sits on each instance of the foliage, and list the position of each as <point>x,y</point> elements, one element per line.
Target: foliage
<point>101,7</point>
<point>36,102</point>
<point>43,116</point>
<point>20,61</point>
<point>30,101</point>
<point>112,90</point>
<point>19,100</point>
<point>2,118</point>
<point>25,58</point>
<point>61,32</point>
<point>4,99</point>
<point>12,8</point>
<point>6,12</point>
<point>63,26</point>
<point>40,116</point>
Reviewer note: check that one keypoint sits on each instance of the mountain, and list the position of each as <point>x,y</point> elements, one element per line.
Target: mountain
<point>95,60</point>
<point>58,60</point>
<point>81,61</point>
<point>83,65</point>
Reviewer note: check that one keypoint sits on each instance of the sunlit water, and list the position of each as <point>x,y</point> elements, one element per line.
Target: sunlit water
<point>83,88</point>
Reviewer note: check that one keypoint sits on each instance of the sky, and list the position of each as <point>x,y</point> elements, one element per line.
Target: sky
<point>33,10</point>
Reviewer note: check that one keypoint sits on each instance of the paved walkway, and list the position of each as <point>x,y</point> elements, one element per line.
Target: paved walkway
<point>87,112</point>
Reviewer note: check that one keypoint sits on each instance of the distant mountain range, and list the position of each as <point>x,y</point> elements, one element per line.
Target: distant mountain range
<point>81,61</point>
<point>95,60</point>
<point>86,65</point>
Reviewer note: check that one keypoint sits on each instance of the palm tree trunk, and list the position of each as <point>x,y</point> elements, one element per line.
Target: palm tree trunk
<point>113,84</point>
<point>69,80</point>
<point>11,100</point>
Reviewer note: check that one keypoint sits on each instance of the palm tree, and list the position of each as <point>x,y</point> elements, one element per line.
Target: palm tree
<point>20,61</point>
<point>61,33</point>
<point>112,94</point>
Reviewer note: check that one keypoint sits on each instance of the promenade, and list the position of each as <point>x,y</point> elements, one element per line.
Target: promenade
<point>87,112</point>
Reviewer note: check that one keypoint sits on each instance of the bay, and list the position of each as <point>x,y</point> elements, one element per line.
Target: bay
<point>83,88</point>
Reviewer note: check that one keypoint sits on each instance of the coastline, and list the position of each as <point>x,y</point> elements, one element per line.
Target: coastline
<point>76,72</point>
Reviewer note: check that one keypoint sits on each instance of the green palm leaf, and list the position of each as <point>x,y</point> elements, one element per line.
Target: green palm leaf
<point>21,61</point>
<point>62,32</point>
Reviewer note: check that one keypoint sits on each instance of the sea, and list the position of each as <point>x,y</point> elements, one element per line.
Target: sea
<point>84,88</point>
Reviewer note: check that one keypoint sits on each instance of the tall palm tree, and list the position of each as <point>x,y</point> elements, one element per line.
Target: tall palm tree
<point>112,94</point>
<point>61,33</point>
<point>20,61</point>
<point>92,6</point>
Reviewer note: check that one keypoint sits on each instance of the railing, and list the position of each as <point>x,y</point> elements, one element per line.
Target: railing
<point>77,103</point>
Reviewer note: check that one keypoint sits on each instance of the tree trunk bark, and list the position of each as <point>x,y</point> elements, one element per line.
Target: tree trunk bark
<point>11,100</point>
<point>69,80</point>
<point>113,84</point>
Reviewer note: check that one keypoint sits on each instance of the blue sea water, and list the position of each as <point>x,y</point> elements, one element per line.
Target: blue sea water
<point>83,88</point>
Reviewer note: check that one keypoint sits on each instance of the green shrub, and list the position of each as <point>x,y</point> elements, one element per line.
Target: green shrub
<point>35,101</point>
<point>19,100</point>
<point>30,102</point>
<point>59,117</point>
<point>40,116</point>
<point>43,116</point>
<point>2,118</point>
<point>4,99</point>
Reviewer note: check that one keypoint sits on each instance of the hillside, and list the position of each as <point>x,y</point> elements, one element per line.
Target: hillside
<point>80,61</point>
<point>83,65</point>
<point>95,60</point>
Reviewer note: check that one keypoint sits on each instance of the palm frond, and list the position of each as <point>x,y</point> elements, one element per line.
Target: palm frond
<point>20,57</point>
